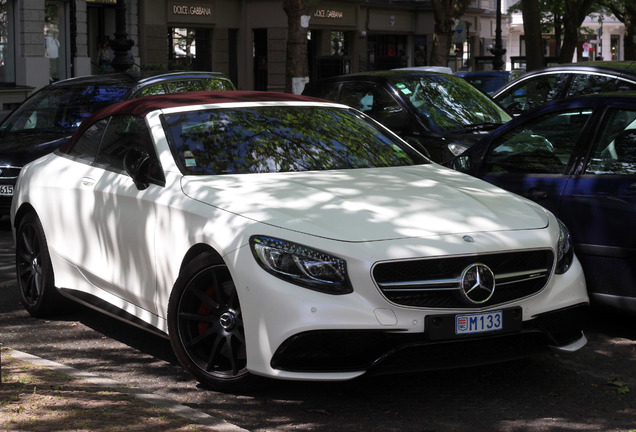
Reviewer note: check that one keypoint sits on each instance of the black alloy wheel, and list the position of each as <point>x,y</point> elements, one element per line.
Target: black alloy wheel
<point>34,270</point>
<point>206,326</point>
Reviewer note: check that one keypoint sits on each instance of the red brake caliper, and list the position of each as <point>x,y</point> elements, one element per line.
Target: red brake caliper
<point>205,310</point>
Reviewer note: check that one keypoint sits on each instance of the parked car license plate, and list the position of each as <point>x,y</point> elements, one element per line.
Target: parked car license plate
<point>478,322</point>
<point>6,190</point>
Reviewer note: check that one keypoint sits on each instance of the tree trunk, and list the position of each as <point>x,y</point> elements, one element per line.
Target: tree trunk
<point>558,30</point>
<point>297,67</point>
<point>630,33</point>
<point>445,12</point>
<point>442,32</point>
<point>575,13</point>
<point>532,31</point>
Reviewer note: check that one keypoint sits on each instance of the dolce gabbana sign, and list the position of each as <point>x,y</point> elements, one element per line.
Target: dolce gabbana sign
<point>191,12</point>
<point>328,13</point>
<point>334,14</point>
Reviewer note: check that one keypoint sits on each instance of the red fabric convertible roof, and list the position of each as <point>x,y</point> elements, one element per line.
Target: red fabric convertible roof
<point>143,105</point>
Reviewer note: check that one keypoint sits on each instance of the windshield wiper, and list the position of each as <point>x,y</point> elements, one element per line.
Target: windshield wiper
<point>487,126</point>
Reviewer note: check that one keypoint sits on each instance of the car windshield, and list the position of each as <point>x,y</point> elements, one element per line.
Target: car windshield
<point>61,109</point>
<point>279,139</point>
<point>449,104</point>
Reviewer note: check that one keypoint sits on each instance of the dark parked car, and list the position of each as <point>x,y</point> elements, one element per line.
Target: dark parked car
<point>558,82</point>
<point>489,81</point>
<point>440,114</point>
<point>576,157</point>
<point>46,119</point>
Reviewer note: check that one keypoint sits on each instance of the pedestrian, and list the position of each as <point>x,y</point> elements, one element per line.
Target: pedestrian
<point>104,56</point>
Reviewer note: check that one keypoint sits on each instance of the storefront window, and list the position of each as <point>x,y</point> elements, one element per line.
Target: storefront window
<point>54,41</point>
<point>421,56</point>
<point>386,52</point>
<point>189,48</point>
<point>7,70</point>
<point>338,47</point>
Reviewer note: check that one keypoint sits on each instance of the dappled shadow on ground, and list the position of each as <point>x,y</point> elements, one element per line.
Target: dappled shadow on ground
<point>545,393</point>
<point>35,398</point>
<point>538,394</point>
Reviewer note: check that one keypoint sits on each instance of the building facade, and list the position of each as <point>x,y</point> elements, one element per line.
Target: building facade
<point>42,41</point>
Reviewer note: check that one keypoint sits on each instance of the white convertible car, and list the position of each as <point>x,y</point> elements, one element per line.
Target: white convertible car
<point>273,235</point>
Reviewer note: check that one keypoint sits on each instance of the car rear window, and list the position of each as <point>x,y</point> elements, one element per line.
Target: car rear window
<point>279,139</point>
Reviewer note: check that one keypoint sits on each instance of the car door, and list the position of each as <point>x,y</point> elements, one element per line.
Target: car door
<point>534,158</point>
<point>117,220</point>
<point>599,206</point>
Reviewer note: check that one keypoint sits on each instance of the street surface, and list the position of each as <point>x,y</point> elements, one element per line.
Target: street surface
<point>593,389</point>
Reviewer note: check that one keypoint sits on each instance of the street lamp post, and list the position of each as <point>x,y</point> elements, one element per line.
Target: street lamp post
<point>121,45</point>
<point>498,51</point>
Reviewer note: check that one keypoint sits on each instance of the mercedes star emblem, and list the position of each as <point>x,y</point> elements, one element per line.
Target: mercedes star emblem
<point>477,283</point>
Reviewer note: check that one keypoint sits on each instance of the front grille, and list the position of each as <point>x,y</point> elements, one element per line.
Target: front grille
<point>9,172</point>
<point>435,282</point>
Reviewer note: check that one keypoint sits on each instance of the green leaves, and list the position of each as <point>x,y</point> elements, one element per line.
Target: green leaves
<point>621,387</point>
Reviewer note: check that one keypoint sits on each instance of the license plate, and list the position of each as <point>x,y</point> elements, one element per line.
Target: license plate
<point>479,322</point>
<point>6,190</point>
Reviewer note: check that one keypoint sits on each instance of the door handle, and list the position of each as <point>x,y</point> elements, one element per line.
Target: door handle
<point>87,181</point>
<point>537,194</point>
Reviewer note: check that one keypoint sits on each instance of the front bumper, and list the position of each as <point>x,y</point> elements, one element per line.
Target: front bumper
<point>299,334</point>
<point>380,352</point>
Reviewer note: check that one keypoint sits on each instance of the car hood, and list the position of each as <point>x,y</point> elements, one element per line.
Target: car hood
<point>18,149</point>
<point>369,204</point>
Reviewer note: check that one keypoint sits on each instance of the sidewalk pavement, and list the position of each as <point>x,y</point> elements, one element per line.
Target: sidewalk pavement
<point>49,396</point>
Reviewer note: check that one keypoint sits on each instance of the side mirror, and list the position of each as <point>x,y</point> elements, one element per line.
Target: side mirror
<point>136,164</point>
<point>461,163</point>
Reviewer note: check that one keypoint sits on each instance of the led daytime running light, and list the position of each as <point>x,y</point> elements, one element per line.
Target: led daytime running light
<point>301,265</point>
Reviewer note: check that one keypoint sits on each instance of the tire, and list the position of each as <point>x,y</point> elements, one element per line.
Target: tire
<point>36,280</point>
<point>206,326</point>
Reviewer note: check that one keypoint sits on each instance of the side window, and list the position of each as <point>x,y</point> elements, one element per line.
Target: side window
<point>87,145</point>
<point>123,133</point>
<point>532,93</point>
<point>331,92</point>
<point>541,146</point>
<point>615,150</point>
<point>151,91</point>
<point>374,101</point>
<point>217,84</point>
<point>357,95</point>
<point>184,86</point>
<point>592,83</point>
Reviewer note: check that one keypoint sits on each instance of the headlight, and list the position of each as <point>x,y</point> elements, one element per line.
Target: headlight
<point>565,249</point>
<point>456,148</point>
<point>301,265</point>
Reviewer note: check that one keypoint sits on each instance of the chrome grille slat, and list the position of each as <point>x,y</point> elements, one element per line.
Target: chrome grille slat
<point>435,282</point>
<point>397,285</point>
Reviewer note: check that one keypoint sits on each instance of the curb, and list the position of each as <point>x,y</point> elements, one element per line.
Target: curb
<point>150,398</point>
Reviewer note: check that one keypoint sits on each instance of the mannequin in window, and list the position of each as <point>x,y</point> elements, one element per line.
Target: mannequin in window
<point>51,45</point>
